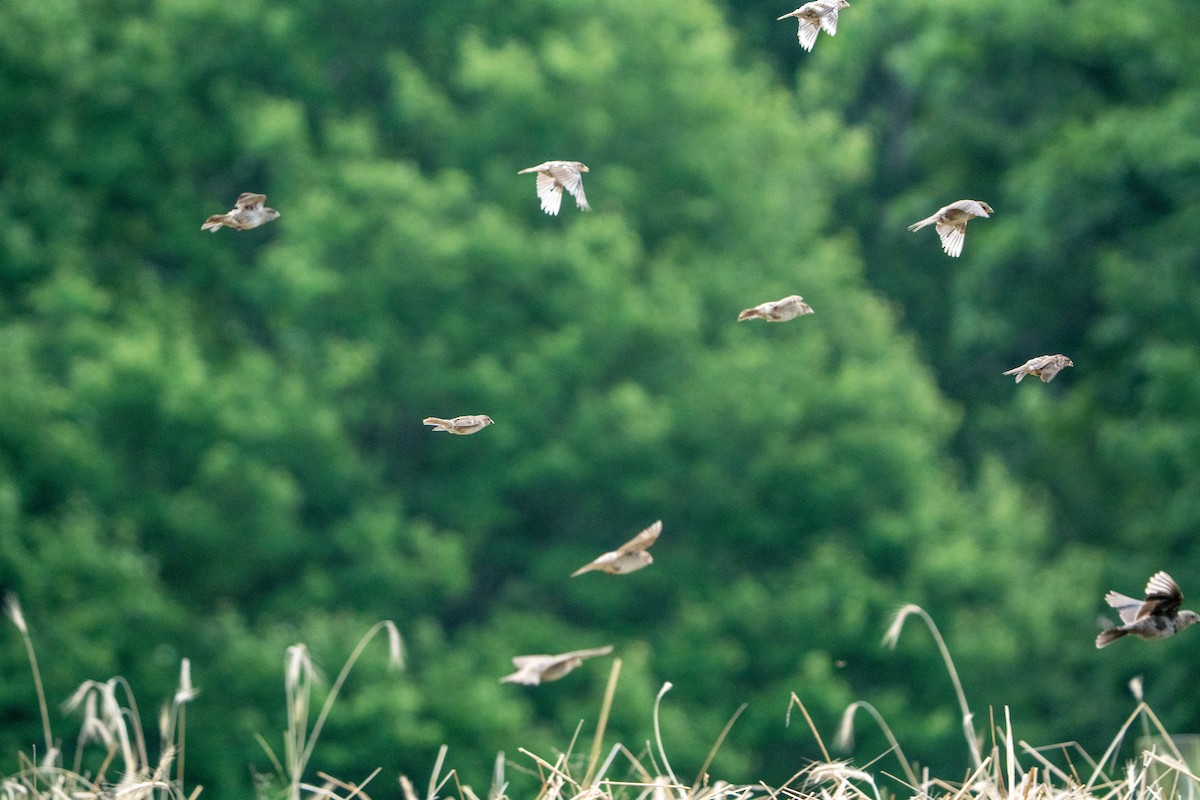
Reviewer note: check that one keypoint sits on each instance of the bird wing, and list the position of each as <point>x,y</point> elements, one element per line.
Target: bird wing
<point>829,21</point>
<point>1162,596</point>
<point>526,676</point>
<point>1162,583</point>
<point>549,191</point>
<point>523,662</point>
<point>598,563</point>
<point>807,33</point>
<point>1128,607</point>
<point>952,238</point>
<point>589,653</point>
<point>642,541</point>
<point>1039,363</point>
<point>572,181</point>
<point>1050,370</point>
<point>248,200</point>
<point>796,302</point>
<point>972,207</point>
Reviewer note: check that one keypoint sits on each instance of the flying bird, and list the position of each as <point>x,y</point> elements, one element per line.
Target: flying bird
<point>532,670</point>
<point>1045,367</point>
<point>470,423</point>
<point>247,212</point>
<point>951,222</point>
<point>1156,617</point>
<point>813,17</point>
<point>629,557</point>
<point>778,310</point>
<point>553,177</point>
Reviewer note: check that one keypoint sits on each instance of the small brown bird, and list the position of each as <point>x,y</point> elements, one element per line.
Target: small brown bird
<point>813,17</point>
<point>532,670</point>
<point>1156,617</point>
<point>248,212</point>
<point>629,557</point>
<point>951,222</point>
<point>779,310</point>
<point>1044,367</point>
<point>471,423</point>
<point>553,177</point>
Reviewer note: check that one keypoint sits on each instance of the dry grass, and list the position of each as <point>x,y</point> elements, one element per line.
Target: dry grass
<point>1010,769</point>
<point>111,725</point>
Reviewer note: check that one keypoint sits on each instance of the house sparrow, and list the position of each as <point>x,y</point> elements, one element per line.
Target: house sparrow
<point>472,423</point>
<point>1045,367</point>
<point>532,670</point>
<point>813,17</point>
<point>553,177</point>
<point>247,213</point>
<point>951,222</point>
<point>1156,617</point>
<point>629,557</point>
<point>779,310</point>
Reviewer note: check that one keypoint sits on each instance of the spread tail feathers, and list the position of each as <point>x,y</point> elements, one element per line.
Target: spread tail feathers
<point>1109,636</point>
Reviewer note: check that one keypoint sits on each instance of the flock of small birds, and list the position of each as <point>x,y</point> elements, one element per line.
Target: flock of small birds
<point>1156,617</point>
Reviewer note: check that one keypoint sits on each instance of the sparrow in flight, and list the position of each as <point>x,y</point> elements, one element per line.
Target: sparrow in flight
<point>533,670</point>
<point>471,423</point>
<point>248,212</point>
<point>815,16</point>
<point>778,310</point>
<point>1045,367</point>
<point>1156,617</point>
<point>629,557</point>
<point>951,222</point>
<point>553,177</point>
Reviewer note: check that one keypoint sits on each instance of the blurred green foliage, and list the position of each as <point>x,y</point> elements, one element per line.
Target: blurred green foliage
<point>210,445</point>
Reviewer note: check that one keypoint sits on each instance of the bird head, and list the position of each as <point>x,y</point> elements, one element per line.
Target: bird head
<point>1185,619</point>
<point>486,420</point>
<point>582,167</point>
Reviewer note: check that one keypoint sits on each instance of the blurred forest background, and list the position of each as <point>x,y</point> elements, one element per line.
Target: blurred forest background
<point>211,445</point>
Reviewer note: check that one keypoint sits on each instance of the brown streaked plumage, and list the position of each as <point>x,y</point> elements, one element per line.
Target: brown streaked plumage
<point>814,17</point>
<point>1156,617</point>
<point>778,310</point>
<point>470,423</point>
<point>1044,367</point>
<point>247,212</point>
<point>553,177</point>
<point>951,222</point>
<point>534,670</point>
<point>629,557</point>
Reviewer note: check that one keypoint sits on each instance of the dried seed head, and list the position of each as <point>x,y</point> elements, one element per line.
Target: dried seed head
<point>892,637</point>
<point>12,607</point>
<point>395,645</point>
<point>186,691</point>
